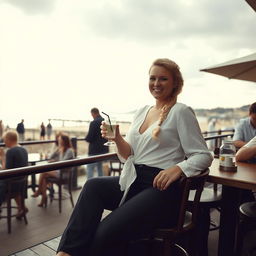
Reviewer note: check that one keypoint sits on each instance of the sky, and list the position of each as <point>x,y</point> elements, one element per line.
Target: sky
<point>60,58</point>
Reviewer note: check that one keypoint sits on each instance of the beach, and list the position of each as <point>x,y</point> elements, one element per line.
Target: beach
<point>80,131</point>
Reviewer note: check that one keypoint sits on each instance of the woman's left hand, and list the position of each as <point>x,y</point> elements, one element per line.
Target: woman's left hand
<point>165,177</point>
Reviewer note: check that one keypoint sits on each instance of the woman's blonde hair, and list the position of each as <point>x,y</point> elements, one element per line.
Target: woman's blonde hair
<point>174,69</point>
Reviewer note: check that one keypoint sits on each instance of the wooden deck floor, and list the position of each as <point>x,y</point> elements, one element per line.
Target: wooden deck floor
<point>47,248</point>
<point>45,226</point>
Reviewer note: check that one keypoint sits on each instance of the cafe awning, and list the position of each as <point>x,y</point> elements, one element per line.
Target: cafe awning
<point>243,68</point>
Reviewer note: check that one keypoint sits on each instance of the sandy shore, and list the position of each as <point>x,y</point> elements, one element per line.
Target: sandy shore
<point>81,131</point>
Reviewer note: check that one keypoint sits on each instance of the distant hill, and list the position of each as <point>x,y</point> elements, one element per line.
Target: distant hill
<point>224,113</point>
<point>223,110</point>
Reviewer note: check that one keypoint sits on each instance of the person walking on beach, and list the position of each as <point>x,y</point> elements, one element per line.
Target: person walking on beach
<point>96,142</point>
<point>21,130</point>
<point>1,130</point>
<point>211,128</point>
<point>49,130</point>
<point>42,131</point>
<point>164,142</point>
<point>246,129</point>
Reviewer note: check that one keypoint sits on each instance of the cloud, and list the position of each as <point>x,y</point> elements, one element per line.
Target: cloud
<point>161,21</point>
<point>76,49</point>
<point>32,7</point>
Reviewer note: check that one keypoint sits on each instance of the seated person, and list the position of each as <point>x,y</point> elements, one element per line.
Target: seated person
<point>16,156</point>
<point>54,155</point>
<point>65,152</point>
<point>246,129</point>
<point>147,194</point>
<point>247,152</point>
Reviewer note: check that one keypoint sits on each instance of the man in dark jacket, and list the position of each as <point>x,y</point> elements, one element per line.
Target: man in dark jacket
<point>96,142</point>
<point>21,130</point>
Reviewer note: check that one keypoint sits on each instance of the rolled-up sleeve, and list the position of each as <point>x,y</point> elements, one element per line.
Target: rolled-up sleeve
<point>198,157</point>
<point>238,134</point>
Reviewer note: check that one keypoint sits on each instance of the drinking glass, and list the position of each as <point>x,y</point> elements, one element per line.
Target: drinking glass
<point>111,131</point>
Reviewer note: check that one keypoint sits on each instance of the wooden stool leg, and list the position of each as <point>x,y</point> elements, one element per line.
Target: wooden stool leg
<point>60,197</point>
<point>9,214</point>
<point>24,209</point>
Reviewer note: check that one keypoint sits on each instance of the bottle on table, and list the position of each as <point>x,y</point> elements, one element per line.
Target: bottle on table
<point>227,156</point>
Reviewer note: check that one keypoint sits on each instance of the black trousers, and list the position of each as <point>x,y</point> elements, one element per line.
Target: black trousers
<point>144,210</point>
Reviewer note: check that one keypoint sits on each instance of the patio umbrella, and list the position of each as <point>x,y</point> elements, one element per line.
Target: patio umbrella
<point>252,3</point>
<point>242,68</point>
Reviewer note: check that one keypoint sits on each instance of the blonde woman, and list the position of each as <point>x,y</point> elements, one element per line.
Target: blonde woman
<point>164,142</point>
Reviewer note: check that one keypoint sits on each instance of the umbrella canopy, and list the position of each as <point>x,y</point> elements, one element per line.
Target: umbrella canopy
<point>242,68</point>
<point>252,3</point>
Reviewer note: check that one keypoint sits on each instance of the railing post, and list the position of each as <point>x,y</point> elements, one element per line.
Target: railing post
<point>75,171</point>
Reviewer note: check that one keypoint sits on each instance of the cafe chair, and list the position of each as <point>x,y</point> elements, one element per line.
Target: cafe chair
<point>15,187</point>
<point>115,167</point>
<point>210,200</point>
<point>65,179</point>
<point>247,223</point>
<point>169,238</point>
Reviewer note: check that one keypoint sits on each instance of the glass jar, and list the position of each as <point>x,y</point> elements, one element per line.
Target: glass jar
<point>227,156</point>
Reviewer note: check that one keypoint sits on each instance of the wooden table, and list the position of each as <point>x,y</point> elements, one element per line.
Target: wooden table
<point>233,183</point>
<point>33,159</point>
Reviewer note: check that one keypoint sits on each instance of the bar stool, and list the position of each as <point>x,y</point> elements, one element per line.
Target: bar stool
<point>210,199</point>
<point>15,187</point>
<point>64,179</point>
<point>247,212</point>
<point>115,167</point>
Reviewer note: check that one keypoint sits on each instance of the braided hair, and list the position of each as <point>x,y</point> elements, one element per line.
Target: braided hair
<point>174,69</point>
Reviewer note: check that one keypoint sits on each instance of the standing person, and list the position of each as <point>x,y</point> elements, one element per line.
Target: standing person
<point>1,130</point>
<point>96,142</point>
<point>49,130</point>
<point>66,152</point>
<point>42,131</point>
<point>211,128</point>
<point>21,130</point>
<point>163,143</point>
<point>16,156</point>
<point>2,158</point>
<point>246,128</point>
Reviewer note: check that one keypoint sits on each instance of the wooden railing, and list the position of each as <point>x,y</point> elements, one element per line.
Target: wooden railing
<point>8,173</point>
<point>70,163</point>
<point>80,161</point>
<point>35,142</point>
<point>218,139</point>
<point>219,132</point>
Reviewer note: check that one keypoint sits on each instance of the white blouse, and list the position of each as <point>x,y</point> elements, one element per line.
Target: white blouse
<point>180,143</point>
